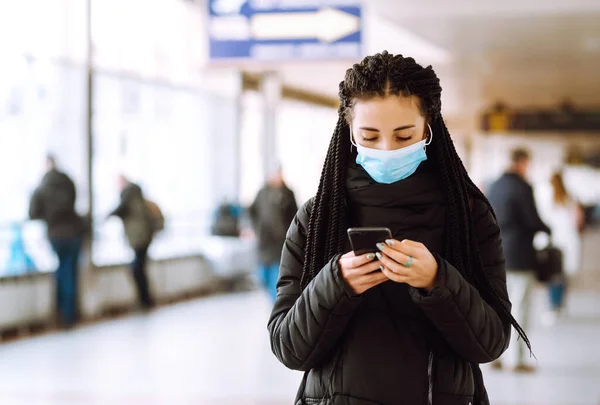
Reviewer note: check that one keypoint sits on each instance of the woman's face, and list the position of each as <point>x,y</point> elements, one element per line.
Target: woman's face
<point>388,123</point>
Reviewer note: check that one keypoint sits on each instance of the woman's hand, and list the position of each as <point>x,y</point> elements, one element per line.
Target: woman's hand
<point>361,273</point>
<point>408,262</point>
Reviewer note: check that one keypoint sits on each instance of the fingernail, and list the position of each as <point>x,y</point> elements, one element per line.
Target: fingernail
<point>390,242</point>
<point>380,246</point>
<point>381,267</point>
<point>379,255</point>
<point>370,256</point>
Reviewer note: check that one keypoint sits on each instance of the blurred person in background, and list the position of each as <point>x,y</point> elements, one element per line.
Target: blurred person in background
<point>513,200</point>
<point>54,203</point>
<point>139,230</point>
<point>271,214</point>
<point>411,323</point>
<point>566,219</point>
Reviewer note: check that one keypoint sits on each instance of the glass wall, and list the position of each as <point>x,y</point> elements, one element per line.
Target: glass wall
<point>252,159</point>
<point>172,141</point>
<point>41,112</point>
<point>154,120</point>
<point>42,88</point>
<point>303,135</point>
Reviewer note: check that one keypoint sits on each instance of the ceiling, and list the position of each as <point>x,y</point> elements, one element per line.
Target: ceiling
<point>478,8</point>
<point>511,31</point>
<point>532,50</point>
<point>519,38</point>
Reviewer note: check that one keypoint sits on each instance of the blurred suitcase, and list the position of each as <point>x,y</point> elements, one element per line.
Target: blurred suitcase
<point>549,263</point>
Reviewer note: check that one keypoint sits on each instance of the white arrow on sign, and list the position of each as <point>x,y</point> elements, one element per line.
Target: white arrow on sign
<point>327,25</point>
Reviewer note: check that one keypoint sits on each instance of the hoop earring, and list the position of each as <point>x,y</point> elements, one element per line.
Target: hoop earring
<point>428,142</point>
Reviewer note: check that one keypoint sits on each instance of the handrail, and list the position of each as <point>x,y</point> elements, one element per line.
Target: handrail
<point>181,232</point>
<point>98,219</point>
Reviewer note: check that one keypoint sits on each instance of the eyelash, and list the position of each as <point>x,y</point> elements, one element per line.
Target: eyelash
<point>402,139</point>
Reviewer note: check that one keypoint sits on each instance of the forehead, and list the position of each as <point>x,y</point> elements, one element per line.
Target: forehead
<point>399,109</point>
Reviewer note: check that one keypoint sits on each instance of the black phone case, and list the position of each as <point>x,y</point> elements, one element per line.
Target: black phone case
<point>364,240</point>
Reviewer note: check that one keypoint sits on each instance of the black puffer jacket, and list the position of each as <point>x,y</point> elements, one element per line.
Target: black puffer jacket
<point>391,345</point>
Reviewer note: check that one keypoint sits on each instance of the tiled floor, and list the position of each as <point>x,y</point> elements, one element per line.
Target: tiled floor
<point>215,351</point>
<point>568,361</point>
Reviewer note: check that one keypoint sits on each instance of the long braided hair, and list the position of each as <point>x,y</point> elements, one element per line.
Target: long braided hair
<point>381,75</point>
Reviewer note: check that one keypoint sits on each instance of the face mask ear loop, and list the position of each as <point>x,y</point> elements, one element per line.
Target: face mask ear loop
<point>430,137</point>
<point>351,139</point>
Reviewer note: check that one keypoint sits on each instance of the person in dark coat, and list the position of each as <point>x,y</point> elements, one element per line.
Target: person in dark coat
<point>138,225</point>
<point>272,213</point>
<point>411,324</point>
<point>54,203</point>
<point>513,200</point>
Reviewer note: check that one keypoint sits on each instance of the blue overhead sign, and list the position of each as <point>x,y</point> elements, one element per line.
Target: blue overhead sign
<point>281,30</point>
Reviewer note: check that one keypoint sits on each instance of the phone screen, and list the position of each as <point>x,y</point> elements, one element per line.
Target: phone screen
<point>364,240</point>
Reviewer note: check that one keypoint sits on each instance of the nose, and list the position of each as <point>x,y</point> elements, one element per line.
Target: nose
<point>386,144</point>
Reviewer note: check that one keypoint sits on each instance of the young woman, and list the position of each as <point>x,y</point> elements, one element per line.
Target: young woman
<point>411,324</point>
<point>564,216</point>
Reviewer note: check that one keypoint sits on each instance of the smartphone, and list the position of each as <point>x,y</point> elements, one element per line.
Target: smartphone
<point>364,240</point>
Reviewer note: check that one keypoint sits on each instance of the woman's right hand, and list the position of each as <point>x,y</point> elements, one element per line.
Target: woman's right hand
<point>361,273</point>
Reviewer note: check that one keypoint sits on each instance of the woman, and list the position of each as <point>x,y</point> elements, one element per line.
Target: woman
<point>565,217</point>
<point>411,324</point>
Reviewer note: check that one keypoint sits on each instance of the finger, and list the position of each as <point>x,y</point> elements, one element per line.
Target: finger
<point>357,261</point>
<point>392,243</point>
<point>391,246</point>
<point>349,254</point>
<point>392,265</point>
<point>373,279</point>
<point>393,276</point>
<point>377,277</point>
<point>366,268</point>
<point>386,248</point>
<point>412,243</point>
<point>384,279</point>
<point>410,248</point>
<point>395,255</point>
<point>399,246</point>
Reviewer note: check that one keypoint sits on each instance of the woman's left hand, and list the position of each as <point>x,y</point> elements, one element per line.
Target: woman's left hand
<point>408,262</point>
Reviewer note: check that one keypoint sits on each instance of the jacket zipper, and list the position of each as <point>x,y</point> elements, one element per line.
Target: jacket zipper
<point>429,363</point>
<point>430,379</point>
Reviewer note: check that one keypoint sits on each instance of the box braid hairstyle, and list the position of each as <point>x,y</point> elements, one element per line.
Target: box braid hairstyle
<point>381,75</point>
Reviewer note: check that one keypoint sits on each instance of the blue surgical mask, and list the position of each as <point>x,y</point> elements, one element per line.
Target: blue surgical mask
<point>390,166</point>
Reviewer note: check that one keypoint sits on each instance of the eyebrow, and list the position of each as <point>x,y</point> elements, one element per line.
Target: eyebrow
<point>395,129</point>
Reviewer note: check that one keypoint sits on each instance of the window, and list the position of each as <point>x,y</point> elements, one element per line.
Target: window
<point>41,111</point>
<point>177,144</point>
<point>303,135</point>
